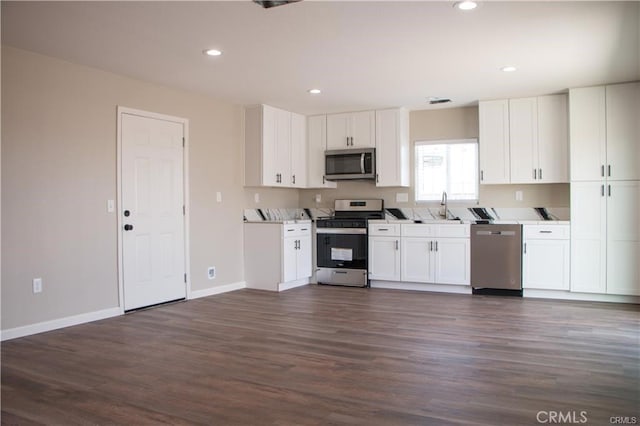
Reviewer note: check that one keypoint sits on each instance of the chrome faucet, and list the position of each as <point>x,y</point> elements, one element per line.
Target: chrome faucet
<point>443,202</point>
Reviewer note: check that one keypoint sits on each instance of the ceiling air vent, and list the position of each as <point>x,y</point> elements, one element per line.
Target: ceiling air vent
<point>268,4</point>
<point>436,101</point>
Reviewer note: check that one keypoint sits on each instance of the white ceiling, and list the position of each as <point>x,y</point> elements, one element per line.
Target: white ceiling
<point>361,54</point>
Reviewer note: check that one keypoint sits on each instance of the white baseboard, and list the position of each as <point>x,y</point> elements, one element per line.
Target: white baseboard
<point>439,288</point>
<point>42,327</point>
<point>217,290</point>
<point>586,297</point>
<point>293,284</point>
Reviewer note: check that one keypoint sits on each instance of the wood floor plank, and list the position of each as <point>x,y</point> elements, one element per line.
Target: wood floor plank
<point>320,355</point>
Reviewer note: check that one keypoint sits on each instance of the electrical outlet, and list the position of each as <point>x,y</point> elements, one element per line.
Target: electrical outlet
<point>402,197</point>
<point>318,198</point>
<point>37,285</point>
<point>211,272</point>
<point>256,197</point>
<point>518,195</point>
<point>219,196</point>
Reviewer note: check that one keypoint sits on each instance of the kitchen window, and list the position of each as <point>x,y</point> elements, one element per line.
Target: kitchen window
<point>446,165</point>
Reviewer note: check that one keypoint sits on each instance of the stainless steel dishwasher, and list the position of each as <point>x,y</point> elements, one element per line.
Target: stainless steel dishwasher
<point>496,259</point>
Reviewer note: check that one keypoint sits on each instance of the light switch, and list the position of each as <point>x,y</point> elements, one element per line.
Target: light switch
<point>111,206</point>
<point>518,195</point>
<point>318,198</point>
<point>219,196</point>
<point>256,197</point>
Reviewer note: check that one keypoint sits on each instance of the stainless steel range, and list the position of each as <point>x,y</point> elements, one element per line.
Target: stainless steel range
<point>342,242</point>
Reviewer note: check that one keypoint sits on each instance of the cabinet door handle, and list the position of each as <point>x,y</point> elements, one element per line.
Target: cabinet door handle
<point>383,229</point>
<point>324,180</point>
<point>602,190</point>
<point>436,246</point>
<point>430,245</point>
<point>540,174</point>
<point>481,174</point>
<point>609,190</point>
<point>525,248</point>
<point>602,170</point>
<point>294,179</point>
<point>377,178</point>
<point>397,245</point>
<point>535,174</point>
<point>609,170</point>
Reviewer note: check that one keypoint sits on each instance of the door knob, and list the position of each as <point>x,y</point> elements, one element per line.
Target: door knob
<point>127,213</point>
<point>128,227</point>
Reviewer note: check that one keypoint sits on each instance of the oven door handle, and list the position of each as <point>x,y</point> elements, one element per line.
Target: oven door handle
<point>346,231</point>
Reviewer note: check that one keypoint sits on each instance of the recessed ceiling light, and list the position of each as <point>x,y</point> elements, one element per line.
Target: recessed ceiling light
<point>314,91</point>
<point>466,5</point>
<point>213,52</point>
<point>508,68</point>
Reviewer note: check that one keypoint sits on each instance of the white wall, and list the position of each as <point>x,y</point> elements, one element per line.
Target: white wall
<point>59,170</point>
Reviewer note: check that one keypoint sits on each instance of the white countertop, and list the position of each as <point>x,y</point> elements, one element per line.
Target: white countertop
<point>457,222</point>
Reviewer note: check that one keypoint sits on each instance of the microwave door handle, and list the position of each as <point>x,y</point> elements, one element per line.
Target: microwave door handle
<point>362,163</point>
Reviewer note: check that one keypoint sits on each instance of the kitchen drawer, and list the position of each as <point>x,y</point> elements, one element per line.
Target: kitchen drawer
<point>453,231</point>
<point>417,230</point>
<point>390,229</point>
<point>546,232</point>
<point>296,229</point>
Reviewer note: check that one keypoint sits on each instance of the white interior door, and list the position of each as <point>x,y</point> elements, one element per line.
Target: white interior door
<point>153,249</point>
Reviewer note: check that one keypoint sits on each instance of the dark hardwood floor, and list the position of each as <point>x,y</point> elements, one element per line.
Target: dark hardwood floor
<point>320,355</point>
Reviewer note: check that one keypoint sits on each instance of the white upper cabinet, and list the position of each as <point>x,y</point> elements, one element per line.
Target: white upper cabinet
<point>392,147</point>
<point>351,130</point>
<point>539,139</point>
<point>523,140</point>
<point>587,130</point>
<point>316,145</point>
<point>298,151</point>
<point>283,147</point>
<point>553,139</point>
<point>494,142</point>
<point>623,131</point>
<point>605,135</point>
<point>275,145</point>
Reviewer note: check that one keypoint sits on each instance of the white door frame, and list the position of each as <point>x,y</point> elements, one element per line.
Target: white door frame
<point>185,181</point>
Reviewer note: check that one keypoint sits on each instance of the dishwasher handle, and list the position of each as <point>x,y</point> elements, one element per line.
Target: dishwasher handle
<point>498,233</point>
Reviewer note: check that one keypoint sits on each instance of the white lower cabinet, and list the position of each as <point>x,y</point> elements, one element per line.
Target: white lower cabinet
<point>420,253</point>
<point>605,237</point>
<point>453,260</point>
<point>545,260</point>
<point>417,260</point>
<point>277,256</point>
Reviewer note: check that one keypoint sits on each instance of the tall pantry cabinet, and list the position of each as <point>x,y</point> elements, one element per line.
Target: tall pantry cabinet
<point>605,189</point>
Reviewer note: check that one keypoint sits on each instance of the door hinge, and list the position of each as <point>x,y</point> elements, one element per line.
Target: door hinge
<point>185,278</point>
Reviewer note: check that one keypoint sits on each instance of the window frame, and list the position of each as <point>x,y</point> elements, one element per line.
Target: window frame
<point>422,142</point>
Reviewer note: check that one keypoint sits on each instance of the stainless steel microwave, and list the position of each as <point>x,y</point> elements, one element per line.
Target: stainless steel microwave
<point>346,164</point>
